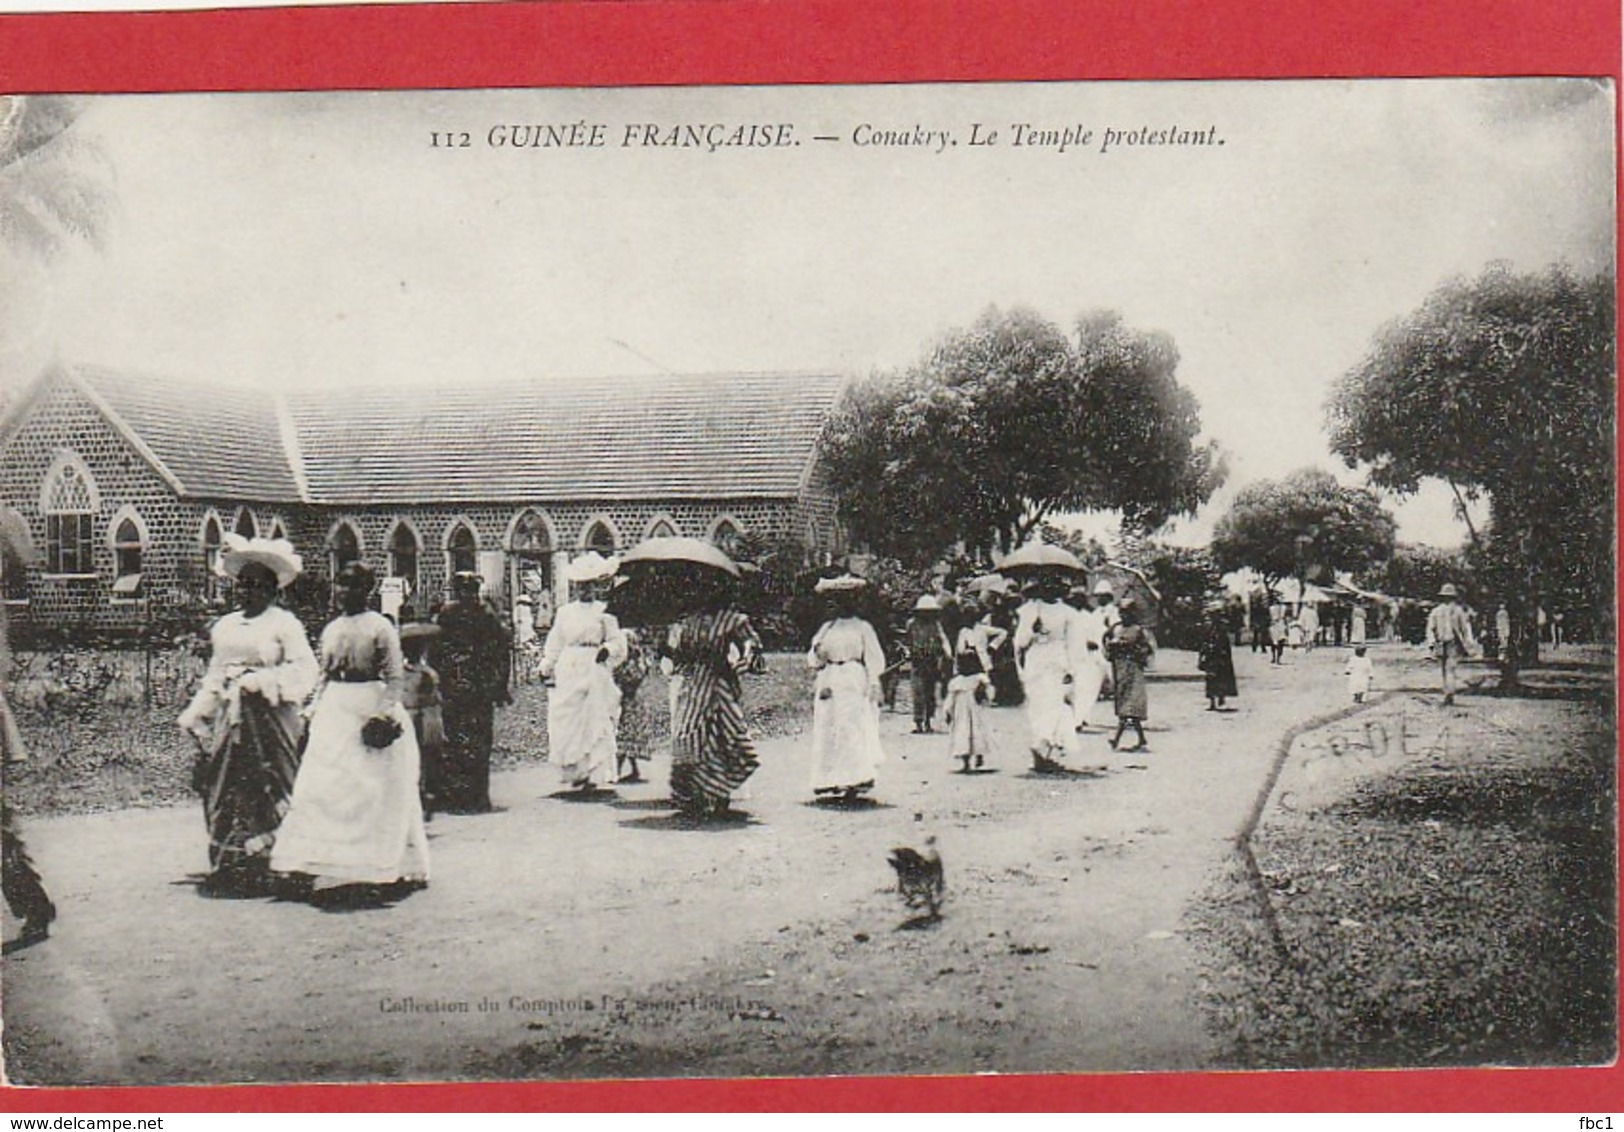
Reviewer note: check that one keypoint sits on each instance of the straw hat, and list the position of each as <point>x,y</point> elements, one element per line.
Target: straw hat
<point>1448,590</point>
<point>419,631</point>
<point>1102,587</point>
<point>275,554</point>
<point>927,604</point>
<point>591,567</point>
<point>846,583</point>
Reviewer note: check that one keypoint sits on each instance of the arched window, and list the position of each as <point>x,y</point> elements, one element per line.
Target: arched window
<point>403,555</point>
<point>68,499</point>
<point>127,546</point>
<point>662,528</point>
<point>727,536</point>
<point>530,557</point>
<point>344,547</point>
<point>278,530</point>
<point>599,537</point>
<point>213,584</point>
<point>462,550</point>
<point>246,527</point>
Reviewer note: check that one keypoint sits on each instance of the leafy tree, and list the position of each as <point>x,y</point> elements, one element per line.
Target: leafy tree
<point>1502,386</point>
<point>1417,571</point>
<point>53,185</point>
<point>1306,526</point>
<point>1009,422</point>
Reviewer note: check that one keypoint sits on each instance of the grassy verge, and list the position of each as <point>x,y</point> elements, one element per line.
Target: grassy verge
<point>1454,910</point>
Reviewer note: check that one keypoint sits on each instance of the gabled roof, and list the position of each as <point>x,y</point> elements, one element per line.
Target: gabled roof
<point>207,440</point>
<point>706,436</point>
<point>700,436</point>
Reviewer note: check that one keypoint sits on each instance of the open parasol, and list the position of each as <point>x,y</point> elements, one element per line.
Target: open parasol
<point>659,554</point>
<point>1039,557</point>
<point>665,579</point>
<point>986,584</point>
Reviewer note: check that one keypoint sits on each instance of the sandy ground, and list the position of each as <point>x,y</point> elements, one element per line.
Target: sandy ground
<point>597,939</point>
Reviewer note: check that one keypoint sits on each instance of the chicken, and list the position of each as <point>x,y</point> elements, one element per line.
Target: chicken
<point>919,876</point>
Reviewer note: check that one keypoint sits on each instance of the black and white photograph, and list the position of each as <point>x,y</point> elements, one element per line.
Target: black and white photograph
<point>803,581</point>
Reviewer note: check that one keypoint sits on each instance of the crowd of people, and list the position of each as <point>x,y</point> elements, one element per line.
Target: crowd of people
<point>318,768</point>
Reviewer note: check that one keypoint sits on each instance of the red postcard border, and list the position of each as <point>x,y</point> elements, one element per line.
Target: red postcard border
<point>679,42</point>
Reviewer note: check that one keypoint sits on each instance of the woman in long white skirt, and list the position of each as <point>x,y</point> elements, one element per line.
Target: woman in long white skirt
<point>1044,630</point>
<point>583,649</point>
<point>355,816</point>
<point>847,656</point>
<point>1089,667</point>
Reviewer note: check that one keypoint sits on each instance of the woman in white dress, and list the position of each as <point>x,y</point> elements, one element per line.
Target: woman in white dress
<point>1045,640</point>
<point>245,715</point>
<point>1088,664</point>
<point>848,659</point>
<point>583,649</point>
<point>356,818</point>
<point>969,687</point>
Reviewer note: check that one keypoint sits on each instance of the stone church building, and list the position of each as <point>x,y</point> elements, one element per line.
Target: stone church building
<point>130,482</point>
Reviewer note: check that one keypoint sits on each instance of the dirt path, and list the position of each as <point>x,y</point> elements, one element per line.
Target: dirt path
<point>576,939</point>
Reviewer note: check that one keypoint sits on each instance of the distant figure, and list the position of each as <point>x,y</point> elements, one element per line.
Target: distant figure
<point>1279,633</point>
<point>1260,625</point>
<point>1357,630</point>
<point>1308,619</point>
<point>1502,631</point>
<point>1216,661</point>
<point>1361,674</point>
<point>1449,632</point>
<point>928,654</point>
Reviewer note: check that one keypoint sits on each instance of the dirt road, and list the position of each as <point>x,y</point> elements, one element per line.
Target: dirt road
<point>591,939</point>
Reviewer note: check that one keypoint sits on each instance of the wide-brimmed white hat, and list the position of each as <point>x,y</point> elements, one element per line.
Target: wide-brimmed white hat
<point>1448,590</point>
<point>275,554</point>
<point>1104,587</point>
<point>591,567</point>
<point>927,604</point>
<point>846,583</point>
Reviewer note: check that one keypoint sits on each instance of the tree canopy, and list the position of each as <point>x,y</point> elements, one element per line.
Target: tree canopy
<point>54,185</point>
<point>1305,526</point>
<point>1008,422</point>
<point>1502,385</point>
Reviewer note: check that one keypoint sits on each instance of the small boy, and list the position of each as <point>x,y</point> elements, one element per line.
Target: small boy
<point>1361,674</point>
<point>420,695</point>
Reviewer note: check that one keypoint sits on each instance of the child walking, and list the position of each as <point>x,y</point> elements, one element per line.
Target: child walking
<point>967,693</point>
<point>1361,674</point>
<point>420,696</point>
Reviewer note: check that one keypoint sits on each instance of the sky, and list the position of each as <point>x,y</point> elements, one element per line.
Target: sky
<point>313,239</point>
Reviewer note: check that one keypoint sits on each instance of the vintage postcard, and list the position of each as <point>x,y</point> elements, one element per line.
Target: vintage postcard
<point>1102,578</point>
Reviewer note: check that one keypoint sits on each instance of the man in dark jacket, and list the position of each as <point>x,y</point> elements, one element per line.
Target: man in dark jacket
<point>475,661</point>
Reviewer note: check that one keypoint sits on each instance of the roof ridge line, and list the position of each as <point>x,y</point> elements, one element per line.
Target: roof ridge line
<point>123,428</point>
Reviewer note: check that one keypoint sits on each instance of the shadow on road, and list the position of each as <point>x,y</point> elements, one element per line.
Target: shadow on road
<point>733,819</point>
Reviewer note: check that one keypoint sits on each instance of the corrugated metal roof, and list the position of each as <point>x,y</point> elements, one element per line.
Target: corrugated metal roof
<point>697,436</point>
<point>212,440</point>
